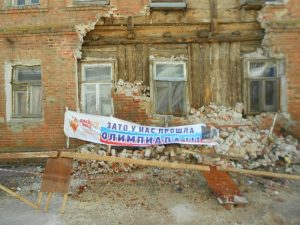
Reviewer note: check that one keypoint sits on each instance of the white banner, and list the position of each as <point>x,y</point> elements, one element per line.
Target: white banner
<point>113,131</point>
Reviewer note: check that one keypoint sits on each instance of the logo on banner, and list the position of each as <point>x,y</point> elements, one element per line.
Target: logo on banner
<point>73,124</point>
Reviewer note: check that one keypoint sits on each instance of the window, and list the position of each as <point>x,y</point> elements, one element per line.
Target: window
<point>261,1</point>
<point>169,87</point>
<point>262,85</point>
<point>27,91</point>
<point>168,4</point>
<point>25,2</point>
<point>96,88</point>
<point>91,2</point>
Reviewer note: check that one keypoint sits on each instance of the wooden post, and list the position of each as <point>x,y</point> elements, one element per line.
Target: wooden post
<point>49,197</point>
<point>63,206</point>
<point>39,200</point>
<point>213,16</point>
<point>14,194</point>
<point>68,139</point>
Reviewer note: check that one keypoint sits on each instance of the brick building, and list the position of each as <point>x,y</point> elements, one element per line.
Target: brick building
<point>57,54</point>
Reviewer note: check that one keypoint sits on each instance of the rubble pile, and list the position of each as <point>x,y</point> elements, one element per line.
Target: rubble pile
<point>133,89</point>
<point>219,115</point>
<point>242,143</point>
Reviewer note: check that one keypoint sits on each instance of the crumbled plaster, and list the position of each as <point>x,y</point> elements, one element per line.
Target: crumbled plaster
<point>172,58</point>
<point>82,30</point>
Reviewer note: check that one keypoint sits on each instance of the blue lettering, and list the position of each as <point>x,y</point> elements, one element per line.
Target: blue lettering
<point>112,137</point>
<point>157,140</point>
<point>133,128</point>
<point>104,135</point>
<point>179,130</point>
<point>149,140</point>
<point>130,139</point>
<point>140,140</point>
<point>125,127</point>
<point>121,138</point>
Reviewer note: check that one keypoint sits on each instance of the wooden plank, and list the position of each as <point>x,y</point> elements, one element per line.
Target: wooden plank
<point>146,73</point>
<point>206,84</point>
<point>57,173</point>
<point>175,40</point>
<point>195,74</point>
<point>88,156</point>
<point>215,74</point>
<point>130,62</point>
<point>235,70</point>
<point>213,16</point>
<point>49,197</point>
<point>138,62</point>
<point>17,196</point>
<point>122,73</point>
<point>142,162</point>
<point>63,206</point>
<point>28,155</point>
<point>260,173</point>
<point>225,73</point>
<point>224,187</point>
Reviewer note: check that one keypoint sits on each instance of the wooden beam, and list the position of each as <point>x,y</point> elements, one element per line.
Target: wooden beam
<point>176,40</point>
<point>28,155</point>
<point>213,16</point>
<point>19,197</point>
<point>87,156</point>
<point>142,162</point>
<point>260,173</point>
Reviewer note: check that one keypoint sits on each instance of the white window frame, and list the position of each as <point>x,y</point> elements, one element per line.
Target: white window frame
<point>262,81</point>
<point>184,79</point>
<point>85,65</point>
<point>15,83</point>
<point>27,3</point>
<point>176,4</point>
<point>91,2</point>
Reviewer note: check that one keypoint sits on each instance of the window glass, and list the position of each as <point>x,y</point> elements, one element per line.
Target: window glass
<point>262,69</point>
<point>178,95</point>
<point>20,103</point>
<point>162,97</point>
<point>254,96</point>
<point>270,94</point>
<point>96,89</point>
<point>97,73</point>
<point>27,91</point>
<point>170,94</point>
<point>105,99</point>
<point>21,2</point>
<point>169,71</point>
<point>35,100</point>
<point>28,74</point>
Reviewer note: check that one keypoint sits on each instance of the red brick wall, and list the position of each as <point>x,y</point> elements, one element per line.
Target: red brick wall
<point>48,34</point>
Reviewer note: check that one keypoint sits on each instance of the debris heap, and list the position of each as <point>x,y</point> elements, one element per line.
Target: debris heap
<point>242,143</point>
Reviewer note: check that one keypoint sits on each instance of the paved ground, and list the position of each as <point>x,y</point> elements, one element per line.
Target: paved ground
<point>151,196</point>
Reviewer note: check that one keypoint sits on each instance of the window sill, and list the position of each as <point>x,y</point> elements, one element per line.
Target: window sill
<point>26,9</point>
<point>25,120</point>
<point>86,7</point>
